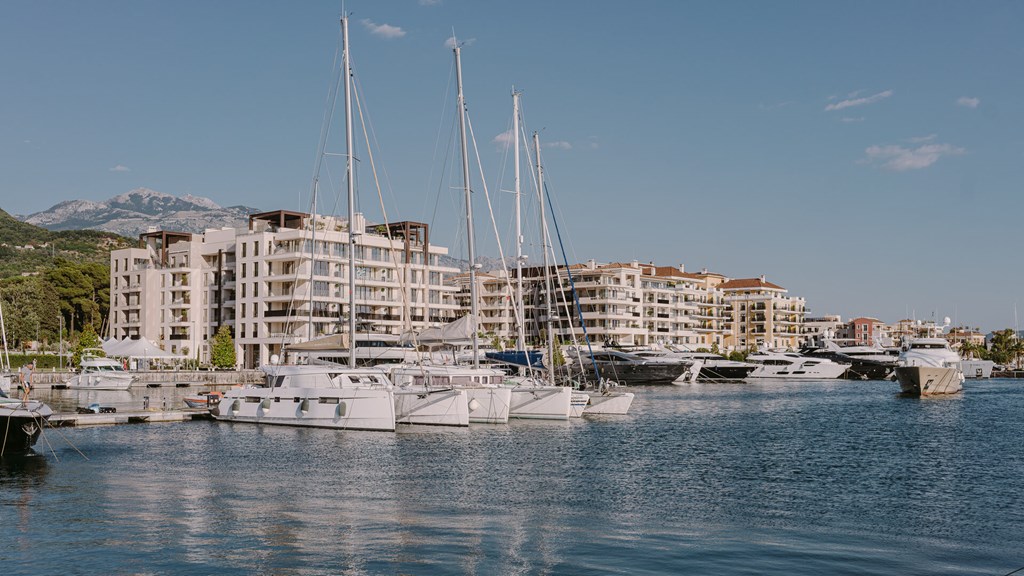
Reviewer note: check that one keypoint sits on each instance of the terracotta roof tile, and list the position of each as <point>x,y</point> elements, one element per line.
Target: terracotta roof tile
<point>741,283</point>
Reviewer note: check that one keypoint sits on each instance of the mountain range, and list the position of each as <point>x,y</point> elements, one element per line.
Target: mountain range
<point>134,212</point>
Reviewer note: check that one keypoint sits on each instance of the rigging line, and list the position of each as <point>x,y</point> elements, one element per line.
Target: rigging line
<point>572,284</point>
<point>372,136</point>
<point>328,116</point>
<point>565,306</point>
<point>50,446</point>
<point>516,306</point>
<point>437,144</point>
<point>384,213</point>
<point>487,196</point>
<point>65,438</point>
<point>7,429</point>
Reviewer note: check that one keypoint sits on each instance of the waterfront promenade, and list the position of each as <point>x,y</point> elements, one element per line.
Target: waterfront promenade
<point>156,378</point>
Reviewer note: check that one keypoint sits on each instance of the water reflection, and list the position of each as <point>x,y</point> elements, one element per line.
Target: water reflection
<point>796,478</point>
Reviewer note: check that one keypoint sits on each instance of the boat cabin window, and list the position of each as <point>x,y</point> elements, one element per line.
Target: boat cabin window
<point>274,381</point>
<point>927,346</point>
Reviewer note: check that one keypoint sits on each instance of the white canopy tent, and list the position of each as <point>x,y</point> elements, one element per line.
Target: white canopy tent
<point>141,349</point>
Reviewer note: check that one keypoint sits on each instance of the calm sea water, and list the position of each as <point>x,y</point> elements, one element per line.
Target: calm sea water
<point>778,478</point>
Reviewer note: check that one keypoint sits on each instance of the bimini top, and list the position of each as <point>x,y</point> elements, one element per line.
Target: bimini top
<point>322,376</point>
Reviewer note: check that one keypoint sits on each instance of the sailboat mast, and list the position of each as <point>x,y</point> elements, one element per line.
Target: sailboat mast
<point>5,360</point>
<point>547,271</point>
<point>346,64</point>
<point>469,205</point>
<point>518,303</point>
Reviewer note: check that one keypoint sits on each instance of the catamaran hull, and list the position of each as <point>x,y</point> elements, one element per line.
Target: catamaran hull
<point>610,403</point>
<point>100,382</point>
<point>577,404</point>
<point>347,409</point>
<point>489,405</point>
<point>929,380</point>
<point>21,425</point>
<point>432,407</point>
<point>541,402</point>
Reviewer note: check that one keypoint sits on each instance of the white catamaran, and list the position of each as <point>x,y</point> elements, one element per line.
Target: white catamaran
<point>331,396</point>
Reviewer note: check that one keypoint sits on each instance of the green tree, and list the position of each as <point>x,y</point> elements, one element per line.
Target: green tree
<point>30,310</point>
<point>1007,348</point>
<point>222,348</point>
<point>738,355</point>
<point>972,350</point>
<point>558,359</point>
<point>87,339</point>
<point>77,297</point>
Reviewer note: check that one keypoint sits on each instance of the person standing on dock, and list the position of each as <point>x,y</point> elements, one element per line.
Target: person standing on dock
<point>25,376</point>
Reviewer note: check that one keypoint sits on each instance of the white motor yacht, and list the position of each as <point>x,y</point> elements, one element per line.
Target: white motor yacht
<point>316,396</point>
<point>792,366</point>
<point>711,366</point>
<point>928,366</point>
<point>99,373</point>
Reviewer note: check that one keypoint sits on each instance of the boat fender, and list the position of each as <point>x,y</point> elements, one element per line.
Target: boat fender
<point>235,406</point>
<point>304,406</point>
<point>265,405</point>
<point>474,404</point>
<point>339,412</point>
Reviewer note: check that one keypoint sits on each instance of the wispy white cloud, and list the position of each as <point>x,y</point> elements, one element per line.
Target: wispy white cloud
<point>851,102</point>
<point>383,30</point>
<point>922,139</point>
<point>851,119</point>
<point>901,158</point>
<point>450,42</point>
<point>968,102</point>
<point>430,2</point>
<point>558,144</point>
<point>120,168</point>
<point>503,138</point>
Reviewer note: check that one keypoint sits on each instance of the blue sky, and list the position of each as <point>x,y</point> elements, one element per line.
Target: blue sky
<point>867,156</point>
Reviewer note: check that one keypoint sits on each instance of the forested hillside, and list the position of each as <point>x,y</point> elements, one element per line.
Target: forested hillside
<point>53,279</point>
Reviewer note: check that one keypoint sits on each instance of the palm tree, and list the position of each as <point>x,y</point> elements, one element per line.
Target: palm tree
<point>1006,347</point>
<point>970,349</point>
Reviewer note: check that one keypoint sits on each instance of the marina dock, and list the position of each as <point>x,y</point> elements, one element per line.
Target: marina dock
<point>133,417</point>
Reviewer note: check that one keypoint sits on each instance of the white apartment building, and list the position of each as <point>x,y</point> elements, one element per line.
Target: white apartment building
<point>760,314</point>
<point>283,280</point>
<point>815,330</point>
<point>628,304</point>
<point>176,289</point>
